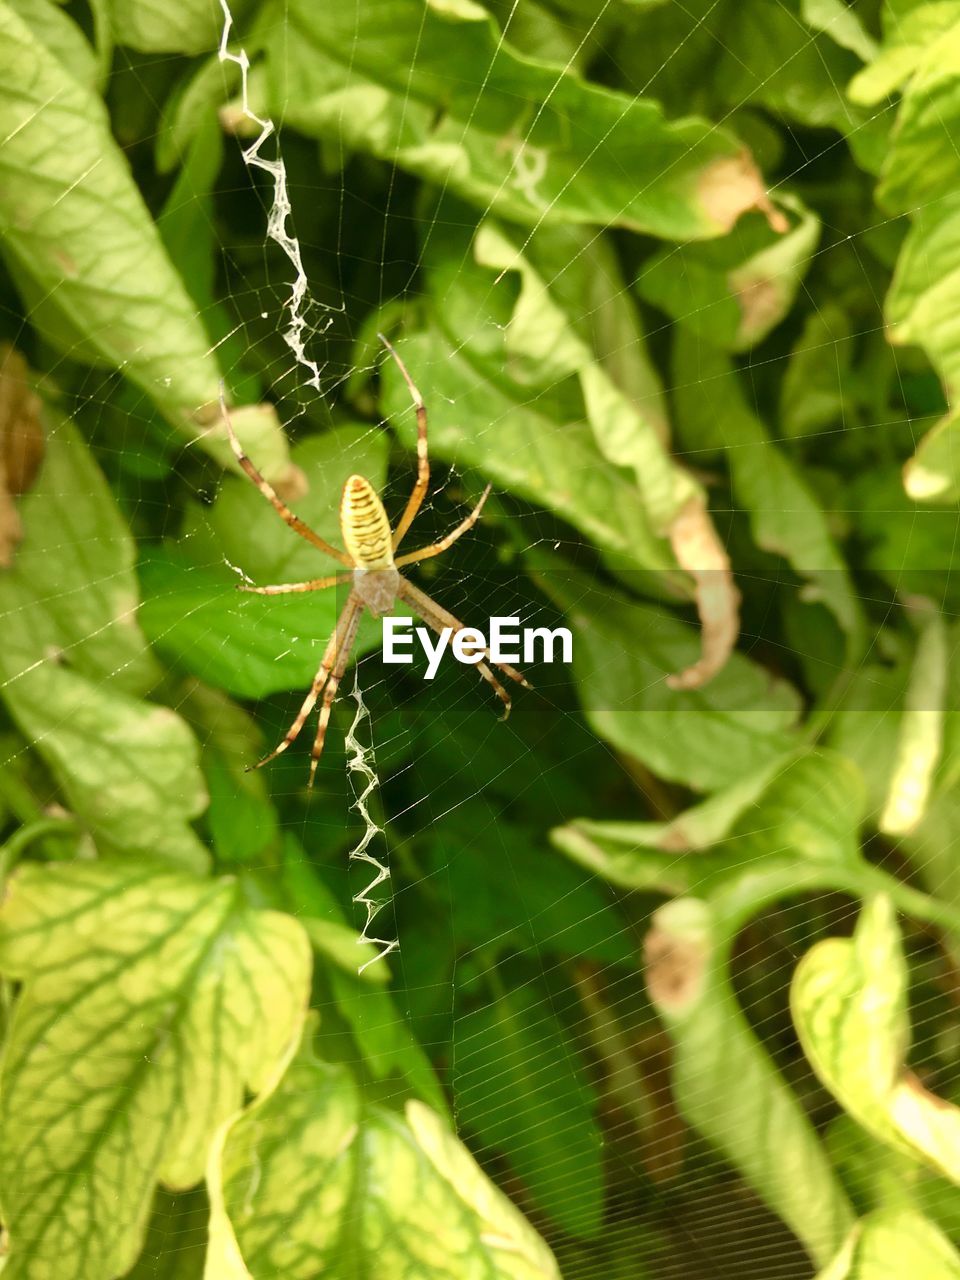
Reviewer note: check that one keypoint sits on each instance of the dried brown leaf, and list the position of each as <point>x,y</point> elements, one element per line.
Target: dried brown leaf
<point>699,550</point>
<point>21,445</point>
<point>732,185</point>
<point>674,968</point>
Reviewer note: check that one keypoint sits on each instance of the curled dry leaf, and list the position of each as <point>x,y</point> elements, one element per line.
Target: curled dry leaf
<point>699,550</point>
<point>21,445</point>
<point>732,185</point>
<point>760,303</point>
<point>674,968</point>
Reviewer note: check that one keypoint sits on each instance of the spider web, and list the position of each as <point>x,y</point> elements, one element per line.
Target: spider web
<point>362,760</point>
<point>454,797</point>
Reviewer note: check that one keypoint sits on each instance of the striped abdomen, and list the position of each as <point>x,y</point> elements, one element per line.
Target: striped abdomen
<point>366,529</point>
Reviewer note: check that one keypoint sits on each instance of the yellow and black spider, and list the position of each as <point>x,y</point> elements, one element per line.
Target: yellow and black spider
<point>374,570</point>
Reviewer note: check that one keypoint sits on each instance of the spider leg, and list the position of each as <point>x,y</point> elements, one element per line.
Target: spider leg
<point>281,508</point>
<point>435,616</point>
<point>346,625</point>
<point>330,692</point>
<point>423,462</point>
<point>436,548</point>
<point>286,588</point>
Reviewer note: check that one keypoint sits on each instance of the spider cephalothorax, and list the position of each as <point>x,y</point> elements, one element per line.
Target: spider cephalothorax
<point>373,570</point>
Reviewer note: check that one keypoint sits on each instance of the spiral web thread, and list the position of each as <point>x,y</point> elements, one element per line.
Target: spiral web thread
<point>279,213</point>
<point>362,763</point>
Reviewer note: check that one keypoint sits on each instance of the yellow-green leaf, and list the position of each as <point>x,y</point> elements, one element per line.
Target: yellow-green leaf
<point>920,741</point>
<point>524,446</point>
<point>848,999</point>
<point>150,1001</point>
<point>726,1085</point>
<point>285,1201</point>
<point>894,1242</point>
<point>72,589</point>
<point>623,653</point>
<point>731,292</point>
<point>129,769</point>
<point>804,807</point>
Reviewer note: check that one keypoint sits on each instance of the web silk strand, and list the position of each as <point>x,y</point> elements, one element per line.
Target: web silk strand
<point>279,214</point>
<point>362,763</point>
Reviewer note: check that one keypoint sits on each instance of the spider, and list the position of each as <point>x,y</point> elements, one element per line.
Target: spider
<point>373,568</point>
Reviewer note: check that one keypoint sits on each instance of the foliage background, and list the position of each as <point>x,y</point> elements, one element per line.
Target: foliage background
<point>678,943</point>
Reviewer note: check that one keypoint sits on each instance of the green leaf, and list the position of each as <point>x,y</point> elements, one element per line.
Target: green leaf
<point>865,726</point>
<point>623,652</point>
<point>921,165</point>
<point>245,644</point>
<point>787,520</point>
<point>188,227</point>
<point>284,1193</point>
<point>381,1036</point>
<point>524,445</point>
<point>542,343</point>
<point>186,221</point>
<point>921,731</point>
<point>441,91</point>
<point>175,1245</point>
<point>303,893</point>
<point>732,292</point>
<point>908,545</point>
<point>727,1087</point>
<point>189,26</point>
<point>898,1242</point>
<point>518,1087</point>
<point>814,393</point>
<point>925,289</point>
<point>805,808</point>
<point>910,28</point>
<point>169,996</point>
<point>879,1176</point>
<point>241,528</point>
<point>784,514</point>
<point>933,473</point>
<point>848,998</point>
<point>932,855</point>
<point>542,338</point>
<point>729,56</point>
<point>842,23</point>
<point>249,644</point>
<point>190,106</point>
<point>75,223</point>
<point>241,819</point>
<point>129,769</point>
<point>388,1047</point>
<point>899,723</point>
<point>768,57</point>
<point>72,589</point>
<point>61,35</point>
<point>566,913</point>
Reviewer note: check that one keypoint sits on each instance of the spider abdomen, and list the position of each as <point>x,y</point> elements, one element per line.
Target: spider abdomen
<point>366,529</point>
